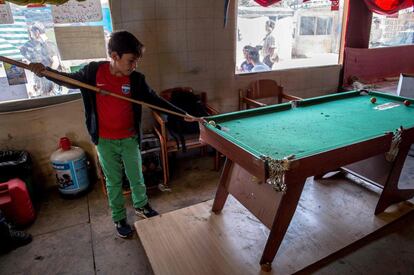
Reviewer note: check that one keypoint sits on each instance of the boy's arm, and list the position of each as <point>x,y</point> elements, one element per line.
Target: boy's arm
<point>80,75</point>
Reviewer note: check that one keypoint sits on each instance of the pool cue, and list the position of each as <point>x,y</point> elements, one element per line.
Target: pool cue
<point>80,84</point>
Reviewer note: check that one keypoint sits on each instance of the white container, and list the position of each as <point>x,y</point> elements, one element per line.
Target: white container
<point>70,165</point>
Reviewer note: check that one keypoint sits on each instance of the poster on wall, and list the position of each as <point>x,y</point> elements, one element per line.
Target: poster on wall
<point>6,16</point>
<point>14,92</point>
<point>75,12</point>
<point>15,75</point>
<point>71,42</point>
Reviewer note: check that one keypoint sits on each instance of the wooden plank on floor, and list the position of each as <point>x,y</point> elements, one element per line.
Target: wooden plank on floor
<point>331,215</point>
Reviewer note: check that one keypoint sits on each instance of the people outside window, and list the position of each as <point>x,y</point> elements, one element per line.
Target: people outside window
<point>254,58</point>
<point>40,49</point>
<point>269,52</point>
<point>246,66</point>
<point>115,124</point>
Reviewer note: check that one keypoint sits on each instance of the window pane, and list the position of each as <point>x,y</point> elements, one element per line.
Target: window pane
<point>288,34</point>
<point>307,26</point>
<point>31,38</point>
<point>322,26</point>
<point>329,26</point>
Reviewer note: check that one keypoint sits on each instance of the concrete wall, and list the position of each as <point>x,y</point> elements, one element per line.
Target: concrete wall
<point>38,131</point>
<point>186,45</point>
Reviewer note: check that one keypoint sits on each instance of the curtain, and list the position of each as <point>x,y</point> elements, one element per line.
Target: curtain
<point>266,3</point>
<point>387,7</point>
<point>29,2</point>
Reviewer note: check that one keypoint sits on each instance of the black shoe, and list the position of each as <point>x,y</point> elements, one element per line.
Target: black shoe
<point>10,238</point>
<point>146,211</point>
<point>123,228</point>
<point>13,239</point>
<point>19,238</point>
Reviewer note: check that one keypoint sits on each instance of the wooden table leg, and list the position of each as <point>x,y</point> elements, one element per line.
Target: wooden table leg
<point>222,193</point>
<point>282,219</point>
<point>391,194</point>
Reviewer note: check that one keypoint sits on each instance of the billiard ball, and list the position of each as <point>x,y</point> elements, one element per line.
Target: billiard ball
<point>212,123</point>
<point>407,102</point>
<point>373,99</point>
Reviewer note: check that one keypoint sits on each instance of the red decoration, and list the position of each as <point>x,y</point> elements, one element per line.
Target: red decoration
<point>334,5</point>
<point>388,7</point>
<point>266,3</point>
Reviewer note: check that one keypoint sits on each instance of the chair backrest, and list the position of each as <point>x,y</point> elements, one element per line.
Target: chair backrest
<point>166,94</point>
<point>265,88</point>
<point>193,104</point>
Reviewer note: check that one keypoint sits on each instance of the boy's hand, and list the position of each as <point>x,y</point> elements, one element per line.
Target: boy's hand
<point>37,68</point>
<point>190,118</point>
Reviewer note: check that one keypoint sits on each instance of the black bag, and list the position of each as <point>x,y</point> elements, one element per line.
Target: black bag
<point>193,105</point>
<point>14,164</point>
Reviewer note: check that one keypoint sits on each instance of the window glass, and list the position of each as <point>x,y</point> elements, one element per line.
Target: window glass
<point>307,25</point>
<point>323,26</point>
<point>31,38</point>
<point>288,34</point>
<point>394,30</point>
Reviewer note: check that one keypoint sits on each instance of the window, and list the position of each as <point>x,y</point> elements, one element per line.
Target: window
<point>31,38</point>
<point>288,34</point>
<point>395,30</point>
<point>311,25</point>
<point>307,25</point>
<point>323,26</point>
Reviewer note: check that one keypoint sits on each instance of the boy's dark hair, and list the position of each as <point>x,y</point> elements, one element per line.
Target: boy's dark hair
<point>124,42</point>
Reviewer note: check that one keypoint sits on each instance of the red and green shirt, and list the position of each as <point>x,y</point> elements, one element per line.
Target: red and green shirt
<point>115,116</point>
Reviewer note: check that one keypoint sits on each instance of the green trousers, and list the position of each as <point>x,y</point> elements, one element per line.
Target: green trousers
<point>112,154</point>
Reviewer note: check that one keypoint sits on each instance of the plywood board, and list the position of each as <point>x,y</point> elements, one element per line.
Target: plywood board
<point>331,215</point>
<point>72,42</point>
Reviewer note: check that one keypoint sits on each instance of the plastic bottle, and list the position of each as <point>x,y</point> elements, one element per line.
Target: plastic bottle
<point>70,165</point>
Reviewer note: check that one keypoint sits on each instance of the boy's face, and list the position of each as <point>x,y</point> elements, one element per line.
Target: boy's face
<point>124,65</point>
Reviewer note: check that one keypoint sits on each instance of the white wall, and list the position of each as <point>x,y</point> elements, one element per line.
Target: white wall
<point>38,131</point>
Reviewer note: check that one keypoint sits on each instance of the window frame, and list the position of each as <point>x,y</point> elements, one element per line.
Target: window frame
<point>27,104</point>
<point>343,15</point>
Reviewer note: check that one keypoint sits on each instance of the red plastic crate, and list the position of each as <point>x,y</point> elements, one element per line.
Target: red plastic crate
<point>15,202</point>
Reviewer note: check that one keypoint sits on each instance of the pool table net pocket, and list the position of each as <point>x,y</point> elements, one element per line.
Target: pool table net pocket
<point>395,143</point>
<point>277,169</point>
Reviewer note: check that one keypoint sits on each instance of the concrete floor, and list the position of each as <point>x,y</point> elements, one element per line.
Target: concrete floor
<point>78,237</point>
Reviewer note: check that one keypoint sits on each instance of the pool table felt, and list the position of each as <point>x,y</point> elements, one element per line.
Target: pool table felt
<point>315,128</point>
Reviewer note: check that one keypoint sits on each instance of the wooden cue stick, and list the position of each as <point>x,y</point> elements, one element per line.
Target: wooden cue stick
<point>77,83</point>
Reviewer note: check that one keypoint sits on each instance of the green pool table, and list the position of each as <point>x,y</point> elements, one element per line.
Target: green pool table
<point>272,150</point>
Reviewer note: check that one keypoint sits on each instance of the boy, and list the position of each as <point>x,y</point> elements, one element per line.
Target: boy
<point>246,66</point>
<point>115,125</point>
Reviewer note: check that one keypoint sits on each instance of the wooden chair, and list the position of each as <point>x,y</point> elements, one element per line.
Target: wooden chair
<point>168,144</point>
<point>262,89</point>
